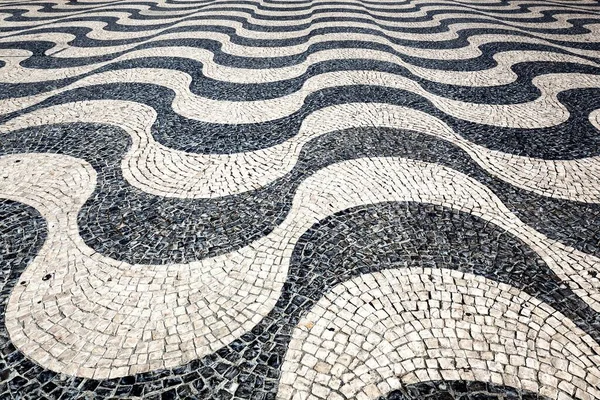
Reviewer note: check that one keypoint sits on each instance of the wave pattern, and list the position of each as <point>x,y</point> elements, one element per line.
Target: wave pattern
<point>324,199</point>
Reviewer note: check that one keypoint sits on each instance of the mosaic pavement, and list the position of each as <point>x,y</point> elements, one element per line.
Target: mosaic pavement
<point>300,199</point>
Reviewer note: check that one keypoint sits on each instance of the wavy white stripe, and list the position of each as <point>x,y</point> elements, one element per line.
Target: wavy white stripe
<point>257,13</point>
<point>162,171</point>
<point>380,331</point>
<point>99,33</point>
<point>500,74</point>
<point>63,48</point>
<point>488,4</point>
<point>544,111</point>
<point>170,314</point>
<point>223,17</point>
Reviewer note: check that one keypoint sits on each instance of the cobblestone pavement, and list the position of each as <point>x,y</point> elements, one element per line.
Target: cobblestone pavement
<point>300,199</point>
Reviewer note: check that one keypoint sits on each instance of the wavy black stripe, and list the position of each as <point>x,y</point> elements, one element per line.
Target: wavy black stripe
<point>521,90</point>
<point>81,40</point>
<point>358,7</point>
<point>450,390</point>
<point>138,14</point>
<point>575,138</point>
<point>348,244</point>
<point>125,223</point>
<point>484,61</point>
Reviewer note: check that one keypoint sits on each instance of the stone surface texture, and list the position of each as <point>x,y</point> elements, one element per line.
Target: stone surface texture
<point>300,199</point>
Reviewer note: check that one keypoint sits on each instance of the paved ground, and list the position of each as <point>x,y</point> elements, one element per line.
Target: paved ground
<point>328,199</point>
